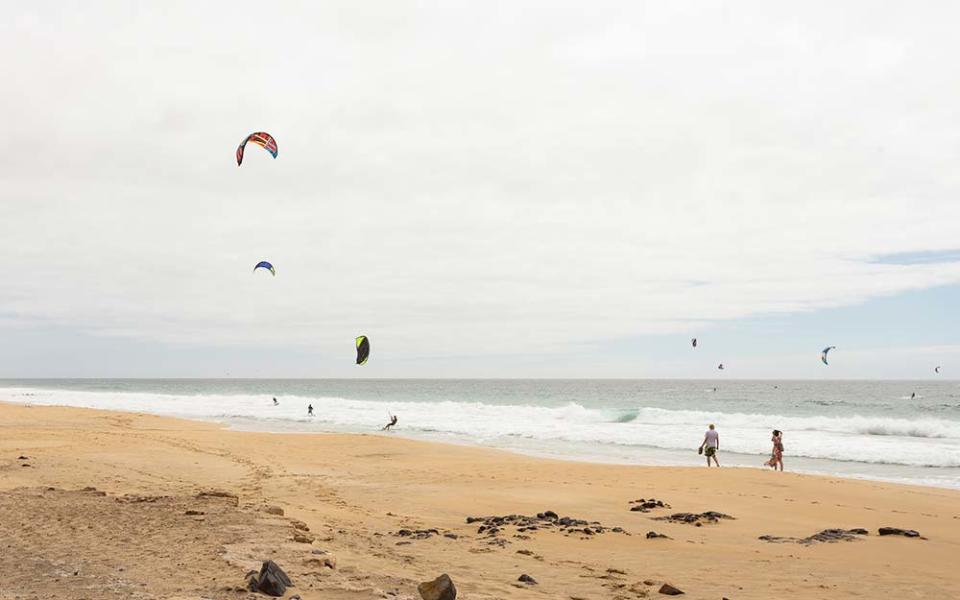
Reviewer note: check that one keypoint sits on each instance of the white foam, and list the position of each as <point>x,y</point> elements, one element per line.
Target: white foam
<point>926,442</point>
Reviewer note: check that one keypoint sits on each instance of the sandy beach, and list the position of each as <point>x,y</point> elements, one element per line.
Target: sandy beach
<point>97,504</point>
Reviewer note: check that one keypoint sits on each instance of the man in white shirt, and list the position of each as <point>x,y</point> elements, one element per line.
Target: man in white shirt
<point>710,445</point>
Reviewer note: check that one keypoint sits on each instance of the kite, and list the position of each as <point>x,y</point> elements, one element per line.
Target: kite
<point>823,355</point>
<point>260,138</point>
<point>693,342</point>
<point>936,369</point>
<point>265,265</point>
<point>363,349</point>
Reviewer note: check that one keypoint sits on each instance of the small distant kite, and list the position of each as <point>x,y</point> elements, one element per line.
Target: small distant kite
<point>936,369</point>
<point>363,349</point>
<point>823,355</point>
<point>260,138</point>
<point>265,265</point>
<point>720,366</point>
<point>693,342</point>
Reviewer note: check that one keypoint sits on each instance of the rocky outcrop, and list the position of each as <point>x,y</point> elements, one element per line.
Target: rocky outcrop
<point>271,580</point>
<point>441,588</point>
<point>898,531</point>
<point>669,590</point>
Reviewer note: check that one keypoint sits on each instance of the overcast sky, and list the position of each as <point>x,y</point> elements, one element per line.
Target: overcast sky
<point>484,188</point>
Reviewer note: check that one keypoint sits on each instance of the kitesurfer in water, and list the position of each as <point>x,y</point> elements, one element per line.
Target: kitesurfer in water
<point>275,403</point>
<point>393,421</point>
<point>913,395</point>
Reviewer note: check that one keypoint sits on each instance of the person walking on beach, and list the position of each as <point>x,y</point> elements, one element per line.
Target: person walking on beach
<point>309,410</point>
<point>776,455</point>
<point>710,445</point>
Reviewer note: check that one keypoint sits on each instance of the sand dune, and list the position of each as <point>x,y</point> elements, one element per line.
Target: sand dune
<point>350,516</point>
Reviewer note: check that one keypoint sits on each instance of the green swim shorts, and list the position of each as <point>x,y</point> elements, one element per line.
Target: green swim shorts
<point>709,451</point>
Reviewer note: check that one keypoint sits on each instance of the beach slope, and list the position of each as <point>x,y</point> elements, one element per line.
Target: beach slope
<point>98,504</point>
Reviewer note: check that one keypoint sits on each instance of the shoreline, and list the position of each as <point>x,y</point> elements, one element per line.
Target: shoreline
<point>653,456</point>
<point>357,495</point>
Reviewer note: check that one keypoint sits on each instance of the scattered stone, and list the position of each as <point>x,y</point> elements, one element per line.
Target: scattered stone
<point>232,498</point>
<point>669,590</point>
<point>22,457</point>
<point>417,534</point>
<point>527,579</point>
<point>652,535</point>
<point>273,510</point>
<point>302,538</point>
<point>646,505</point>
<point>898,531</point>
<point>299,525</point>
<point>271,580</point>
<point>616,572</point>
<point>25,464</point>
<point>494,526</point>
<point>450,535</point>
<point>329,561</point>
<point>525,552</point>
<point>711,516</point>
<point>193,513</point>
<point>827,535</point>
<point>649,582</point>
<point>441,588</point>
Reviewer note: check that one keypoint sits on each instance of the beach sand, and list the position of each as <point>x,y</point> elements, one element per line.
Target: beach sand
<point>152,529</point>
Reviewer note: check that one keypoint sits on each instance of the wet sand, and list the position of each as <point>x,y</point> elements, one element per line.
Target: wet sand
<point>370,516</point>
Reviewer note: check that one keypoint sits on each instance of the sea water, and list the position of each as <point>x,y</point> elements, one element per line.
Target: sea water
<point>889,430</point>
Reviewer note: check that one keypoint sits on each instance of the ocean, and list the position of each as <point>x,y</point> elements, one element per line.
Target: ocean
<point>864,429</point>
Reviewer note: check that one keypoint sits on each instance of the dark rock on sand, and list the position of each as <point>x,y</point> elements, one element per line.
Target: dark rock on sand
<point>711,516</point>
<point>441,588</point>
<point>22,457</point>
<point>271,580</point>
<point>669,590</point>
<point>527,579</point>
<point>652,535</point>
<point>898,531</point>
<point>827,535</point>
<point>646,505</point>
<point>193,513</point>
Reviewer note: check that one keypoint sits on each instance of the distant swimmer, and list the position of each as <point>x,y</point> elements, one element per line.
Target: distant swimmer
<point>275,403</point>
<point>393,421</point>
<point>913,395</point>
<point>720,366</point>
<point>936,369</point>
<point>714,389</point>
<point>309,410</point>
<point>693,342</point>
